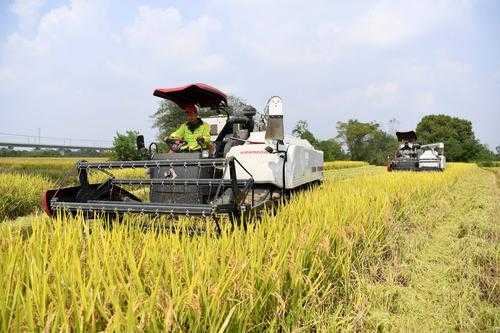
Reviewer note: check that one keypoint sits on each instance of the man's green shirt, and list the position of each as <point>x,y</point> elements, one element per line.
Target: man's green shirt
<point>184,133</point>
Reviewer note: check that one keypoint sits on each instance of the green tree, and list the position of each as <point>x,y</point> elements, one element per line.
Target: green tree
<point>301,130</point>
<point>366,141</point>
<point>460,143</point>
<point>168,118</point>
<point>384,145</point>
<point>484,153</point>
<point>332,150</point>
<point>124,146</point>
<point>235,104</point>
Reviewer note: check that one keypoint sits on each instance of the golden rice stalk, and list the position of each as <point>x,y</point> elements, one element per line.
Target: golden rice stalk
<point>20,194</point>
<point>335,165</point>
<point>292,270</point>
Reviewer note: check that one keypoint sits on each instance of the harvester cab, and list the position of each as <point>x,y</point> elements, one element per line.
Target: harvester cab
<point>411,156</point>
<point>249,168</point>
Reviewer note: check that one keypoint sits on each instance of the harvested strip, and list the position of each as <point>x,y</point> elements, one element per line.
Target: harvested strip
<point>442,271</point>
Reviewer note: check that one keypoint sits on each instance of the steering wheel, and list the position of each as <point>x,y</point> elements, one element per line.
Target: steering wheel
<point>175,144</point>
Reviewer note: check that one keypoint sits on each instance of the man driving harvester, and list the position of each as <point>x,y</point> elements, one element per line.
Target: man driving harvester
<point>194,135</point>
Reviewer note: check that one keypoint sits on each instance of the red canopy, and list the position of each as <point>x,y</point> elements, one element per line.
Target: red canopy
<point>197,93</point>
<point>409,136</point>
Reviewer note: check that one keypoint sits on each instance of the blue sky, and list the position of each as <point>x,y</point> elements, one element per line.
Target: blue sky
<point>87,69</point>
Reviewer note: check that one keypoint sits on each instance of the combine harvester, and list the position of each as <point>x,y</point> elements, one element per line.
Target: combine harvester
<point>249,169</point>
<point>412,156</point>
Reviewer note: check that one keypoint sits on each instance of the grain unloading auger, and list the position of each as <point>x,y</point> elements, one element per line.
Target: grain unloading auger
<point>252,166</point>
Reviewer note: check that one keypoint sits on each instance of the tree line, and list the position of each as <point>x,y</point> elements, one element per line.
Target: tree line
<point>367,141</point>
<point>46,152</point>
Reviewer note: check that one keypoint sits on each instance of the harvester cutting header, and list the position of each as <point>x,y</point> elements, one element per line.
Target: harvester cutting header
<point>412,156</point>
<point>235,168</point>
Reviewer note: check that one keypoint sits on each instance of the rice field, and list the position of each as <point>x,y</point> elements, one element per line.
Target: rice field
<point>336,165</point>
<point>22,180</point>
<point>308,268</point>
<point>53,168</point>
<point>20,194</point>
<point>57,166</point>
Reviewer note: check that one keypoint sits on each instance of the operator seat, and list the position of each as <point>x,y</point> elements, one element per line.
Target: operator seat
<point>231,136</point>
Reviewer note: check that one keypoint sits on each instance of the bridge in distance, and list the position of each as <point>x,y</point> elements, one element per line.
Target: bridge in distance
<point>12,145</point>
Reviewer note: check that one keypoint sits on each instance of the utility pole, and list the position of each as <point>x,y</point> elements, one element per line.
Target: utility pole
<point>39,134</point>
<point>393,125</point>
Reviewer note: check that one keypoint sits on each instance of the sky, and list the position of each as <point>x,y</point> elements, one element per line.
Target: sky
<point>87,69</point>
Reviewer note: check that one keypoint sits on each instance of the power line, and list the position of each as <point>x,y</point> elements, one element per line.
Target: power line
<point>52,137</point>
<point>55,146</point>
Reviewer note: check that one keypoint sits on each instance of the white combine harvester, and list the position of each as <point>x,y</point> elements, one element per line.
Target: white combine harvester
<point>251,166</point>
<point>412,156</point>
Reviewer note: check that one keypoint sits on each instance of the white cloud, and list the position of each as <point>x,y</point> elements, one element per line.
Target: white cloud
<point>26,7</point>
<point>164,35</point>
<point>296,33</point>
<point>425,101</point>
<point>388,22</point>
<point>27,12</point>
<point>91,65</point>
<point>383,90</point>
<point>79,66</point>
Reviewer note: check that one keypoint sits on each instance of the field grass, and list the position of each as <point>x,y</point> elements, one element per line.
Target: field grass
<point>20,194</point>
<point>307,267</point>
<point>53,168</point>
<point>335,165</point>
<point>489,164</point>
<point>23,179</point>
<point>56,168</point>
